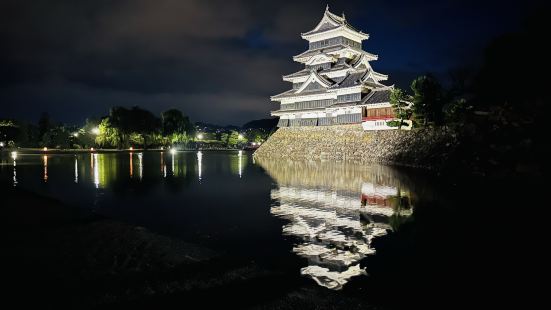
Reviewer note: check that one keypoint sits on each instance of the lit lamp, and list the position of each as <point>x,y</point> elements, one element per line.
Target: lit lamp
<point>240,137</point>
<point>200,136</point>
<point>45,149</point>
<point>95,130</point>
<point>14,155</point>
<point>173,151</point>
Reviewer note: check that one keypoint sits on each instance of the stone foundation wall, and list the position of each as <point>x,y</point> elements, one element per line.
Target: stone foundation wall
<point>426,148</point>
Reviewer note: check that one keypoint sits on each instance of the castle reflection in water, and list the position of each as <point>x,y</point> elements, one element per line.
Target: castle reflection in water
<point>334,211</point>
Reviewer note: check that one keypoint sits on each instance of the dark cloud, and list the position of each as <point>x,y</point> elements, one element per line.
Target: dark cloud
<point>218,61</point>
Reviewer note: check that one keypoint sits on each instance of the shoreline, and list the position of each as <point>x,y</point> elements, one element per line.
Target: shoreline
<point>86,151</point>
<point>442,151</point>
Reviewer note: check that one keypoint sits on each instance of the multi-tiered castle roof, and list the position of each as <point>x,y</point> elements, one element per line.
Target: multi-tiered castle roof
<point>337,80</point>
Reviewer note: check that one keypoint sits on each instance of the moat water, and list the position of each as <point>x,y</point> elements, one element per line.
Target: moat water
<point>335,225</point>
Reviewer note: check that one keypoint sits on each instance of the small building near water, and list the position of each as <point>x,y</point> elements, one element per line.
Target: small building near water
<point>338,85</point>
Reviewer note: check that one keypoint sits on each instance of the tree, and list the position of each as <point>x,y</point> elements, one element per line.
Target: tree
<point>57,137</point>
<point>224,138</point>
<point>85,136</point>
<point>427,100</point>
<point>44,124</point>
<point>256,135</point>
<point>233,138</point>
<point>174,121</point>
<point>179,138</point>
<point>400,105</point>
<point>457,110</point>
<point>119,118</point>
<point>131,121</point>
<point>108,135</point>
<point>144,123</point>
<point>8,130</point>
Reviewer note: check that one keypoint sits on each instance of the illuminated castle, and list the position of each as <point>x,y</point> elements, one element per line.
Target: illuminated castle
<point>338,84</point>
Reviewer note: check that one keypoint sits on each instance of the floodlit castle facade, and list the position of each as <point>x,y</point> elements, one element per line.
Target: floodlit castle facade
<point>338,85</point>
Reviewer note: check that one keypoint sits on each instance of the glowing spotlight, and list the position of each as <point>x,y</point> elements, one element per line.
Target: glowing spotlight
<point>45,149</point>
<point>75,134</point>
<point>162,147</point>
<point>1,144</point>
<point>172,151</point>
<point>95,130</point>
<point>240,136</point>
<point>91,149</point>
<point>14,155</point>
<point>131,148</point>
<point>200,136</point>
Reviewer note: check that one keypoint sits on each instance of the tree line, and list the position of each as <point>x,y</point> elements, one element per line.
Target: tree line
<point>496,110</point>
<point>124,128</point>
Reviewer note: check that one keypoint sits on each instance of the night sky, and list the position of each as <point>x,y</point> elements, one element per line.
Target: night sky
<point>218,61</point>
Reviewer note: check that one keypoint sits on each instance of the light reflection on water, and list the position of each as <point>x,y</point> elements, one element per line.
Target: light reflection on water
<point>334,212</point>
<point>95,168</point>
<point>76,169</point>
<point>14,172</point>
<point>199,164</point>
<point>45,163</point>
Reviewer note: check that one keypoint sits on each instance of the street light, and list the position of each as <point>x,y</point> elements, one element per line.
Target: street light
<point>240,136</point>
<point>95,130</point>
<point>200,136</point>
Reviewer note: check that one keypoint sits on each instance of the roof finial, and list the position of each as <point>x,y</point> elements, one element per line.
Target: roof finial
<point>343,17</point>
<point>327,8</point>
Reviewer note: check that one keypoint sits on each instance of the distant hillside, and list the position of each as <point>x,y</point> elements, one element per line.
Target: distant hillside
<point>265,123</point>
<point>212,127</point>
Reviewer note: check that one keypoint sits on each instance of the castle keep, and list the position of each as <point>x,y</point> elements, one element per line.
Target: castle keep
<point>338,85</point>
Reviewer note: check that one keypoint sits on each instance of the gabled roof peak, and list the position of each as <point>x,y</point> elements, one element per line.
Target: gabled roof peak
<point>331,22</point>
<point>335,17</point>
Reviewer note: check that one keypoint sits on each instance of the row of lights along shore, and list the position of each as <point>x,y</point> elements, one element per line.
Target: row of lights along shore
<point>173,151</point>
